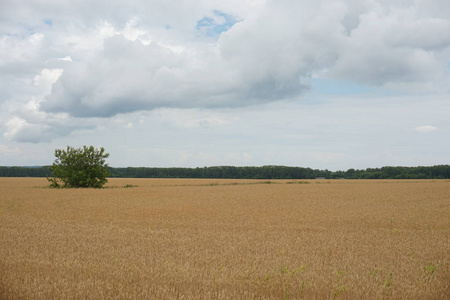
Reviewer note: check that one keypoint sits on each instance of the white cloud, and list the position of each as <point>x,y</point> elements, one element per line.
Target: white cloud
<point>265,57</point>
<point>425,129</point>
<point>67,58</point>
<point>14,126</point>
<point>19,49</point>
<point>384,48</point>
<point>46,79</point>
<point>128,76</point>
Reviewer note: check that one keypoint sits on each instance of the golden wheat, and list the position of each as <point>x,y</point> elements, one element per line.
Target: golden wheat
<point>225,239</point>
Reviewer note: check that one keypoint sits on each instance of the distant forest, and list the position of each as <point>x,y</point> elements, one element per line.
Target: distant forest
<point>264,172</point>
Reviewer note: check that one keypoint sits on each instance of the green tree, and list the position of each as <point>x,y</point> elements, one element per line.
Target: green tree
<point>79,168</point>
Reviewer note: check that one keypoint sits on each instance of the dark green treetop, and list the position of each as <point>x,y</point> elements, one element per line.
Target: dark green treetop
<point>79,168</point>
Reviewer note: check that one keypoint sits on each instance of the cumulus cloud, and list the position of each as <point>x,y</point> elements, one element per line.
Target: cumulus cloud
<point>30,124</point>
<point>129,75</point>
<point>266,57</point>
<point>108,59</point>
<point>386,47</point>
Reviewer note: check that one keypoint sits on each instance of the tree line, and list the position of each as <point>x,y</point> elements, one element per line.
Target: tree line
<point>263,172</point>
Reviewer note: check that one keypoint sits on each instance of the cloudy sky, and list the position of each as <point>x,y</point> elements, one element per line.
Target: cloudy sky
<point>332,84</point>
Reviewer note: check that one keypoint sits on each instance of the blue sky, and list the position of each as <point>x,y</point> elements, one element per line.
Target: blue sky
<point>214,25</point>
<point>322,84</point>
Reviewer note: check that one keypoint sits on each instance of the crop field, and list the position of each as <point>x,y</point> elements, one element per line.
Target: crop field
<point>225,239</point>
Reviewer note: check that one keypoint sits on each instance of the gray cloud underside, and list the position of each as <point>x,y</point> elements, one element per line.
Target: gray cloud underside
<point>37,133</point>
<point>126,76</point>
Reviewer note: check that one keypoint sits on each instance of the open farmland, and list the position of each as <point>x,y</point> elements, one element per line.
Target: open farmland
<point>225,239</point>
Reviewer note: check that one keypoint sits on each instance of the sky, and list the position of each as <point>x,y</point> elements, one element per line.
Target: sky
<point>325,84</point>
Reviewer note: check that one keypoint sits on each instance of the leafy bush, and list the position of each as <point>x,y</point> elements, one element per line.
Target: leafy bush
<point>79,168</point>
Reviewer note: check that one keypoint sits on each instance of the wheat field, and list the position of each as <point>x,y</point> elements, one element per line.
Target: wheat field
<point>225,239</point>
